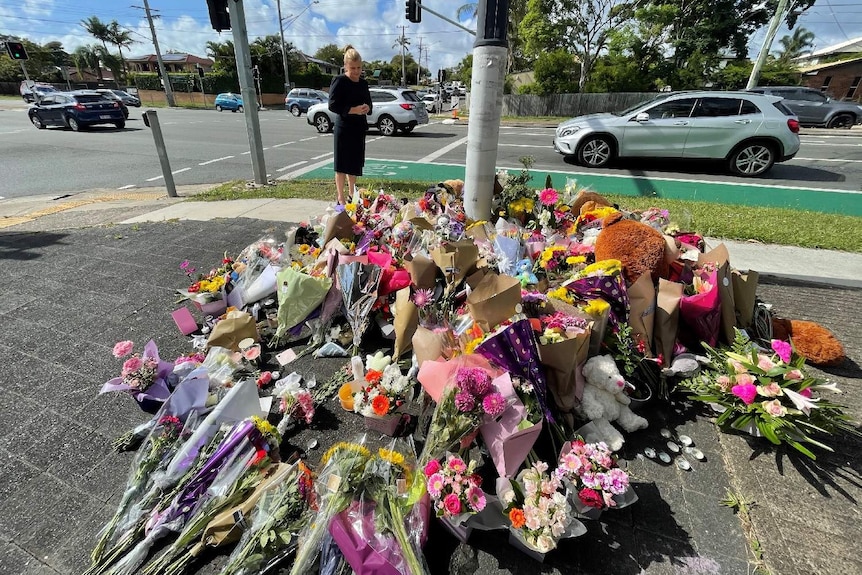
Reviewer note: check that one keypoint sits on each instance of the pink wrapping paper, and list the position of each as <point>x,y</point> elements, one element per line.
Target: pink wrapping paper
<point>507,444</point>
<point>435,374</point>
<point>700,315</point>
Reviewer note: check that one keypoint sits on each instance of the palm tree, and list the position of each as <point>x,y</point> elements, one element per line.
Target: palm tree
<point>97,29</point>
<point>121,39</point>
<point>404,42</point>
<point>796,45</point>
<point>87,58</point>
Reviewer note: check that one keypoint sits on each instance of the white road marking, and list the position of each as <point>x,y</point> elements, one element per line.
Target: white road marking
<point>831,144</point>
<point>245,153</point>
<point>827,160</point>
<point>323,155</point>
<point>180,170</point>
<point>525,146</point>
<point>292,166</point>
<point>127,187</point>
<point>445,149</point>
<point>216,160</point>
<point>154,179</point>
<point>284,144</point>
<point>304,170</point>
<point>307,139</point>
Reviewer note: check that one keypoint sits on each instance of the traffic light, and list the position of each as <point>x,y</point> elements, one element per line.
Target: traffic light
<point>17,51</point>
<point>414,11</point>
<point>219,16</point>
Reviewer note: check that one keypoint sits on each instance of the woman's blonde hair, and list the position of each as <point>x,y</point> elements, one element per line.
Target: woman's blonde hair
<point>351,54</point>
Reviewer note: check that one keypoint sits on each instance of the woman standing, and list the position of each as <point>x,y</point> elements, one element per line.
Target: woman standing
<point>350,100</point>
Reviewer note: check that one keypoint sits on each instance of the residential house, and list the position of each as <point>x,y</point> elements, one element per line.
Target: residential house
<point>847,48</point>
<point>838,79</point>
<point>174,63</point>
<point>327,68</point>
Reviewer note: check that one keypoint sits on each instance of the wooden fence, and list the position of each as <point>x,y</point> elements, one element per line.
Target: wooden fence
<point>571,104</point>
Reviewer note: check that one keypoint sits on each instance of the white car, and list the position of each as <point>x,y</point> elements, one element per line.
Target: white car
<point>433,103</point>
<point>751,132</point>
<point>393,109</point>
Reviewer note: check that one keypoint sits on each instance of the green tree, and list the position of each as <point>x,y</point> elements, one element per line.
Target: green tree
<point>556,73</point>
<point>121,39</point>
<point>97,29</point>
<point>87,58</point>
<point>330,53</point>
<point>517,59</point>
<point>223,56</point>
<point>796,45</point>
<point>464,70</point>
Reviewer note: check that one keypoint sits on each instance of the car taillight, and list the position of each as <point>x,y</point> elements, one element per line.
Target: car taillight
<point>407,106</point>
<point>80,106</point>
<point>116,104</point>
<point>793,125</point>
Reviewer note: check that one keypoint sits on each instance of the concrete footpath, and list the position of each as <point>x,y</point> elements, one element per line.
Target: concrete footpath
<point>102,266</point>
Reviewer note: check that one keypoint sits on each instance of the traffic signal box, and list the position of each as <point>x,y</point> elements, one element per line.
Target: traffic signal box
<point>413,11</point>
<point>16,50</point>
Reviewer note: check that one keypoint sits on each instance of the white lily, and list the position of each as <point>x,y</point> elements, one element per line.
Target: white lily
<point>802,403</point>
<point>831,386</point>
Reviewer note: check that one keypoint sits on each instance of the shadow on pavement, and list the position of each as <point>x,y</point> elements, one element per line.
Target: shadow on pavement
<point>26,245</point>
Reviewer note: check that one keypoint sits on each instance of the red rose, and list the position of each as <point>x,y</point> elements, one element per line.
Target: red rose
<point>591,498</point>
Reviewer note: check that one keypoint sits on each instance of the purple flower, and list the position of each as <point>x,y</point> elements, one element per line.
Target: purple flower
<point>464,401</point>
<point>494,404</point>
<point>783,349</point>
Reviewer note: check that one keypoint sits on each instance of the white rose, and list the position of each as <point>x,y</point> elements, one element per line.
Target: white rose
<point>544,543</point>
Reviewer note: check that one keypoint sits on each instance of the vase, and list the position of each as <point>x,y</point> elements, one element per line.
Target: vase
<point>458,526</point>
<point>517,541</point>
<point>387,424</point>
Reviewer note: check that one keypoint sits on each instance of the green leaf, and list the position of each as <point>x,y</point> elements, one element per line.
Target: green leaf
<point>801,449</point>
<point>285,537</point>
<point>768,432</point>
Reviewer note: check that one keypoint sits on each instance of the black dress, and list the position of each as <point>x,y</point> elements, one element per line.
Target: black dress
<point>350,129</point>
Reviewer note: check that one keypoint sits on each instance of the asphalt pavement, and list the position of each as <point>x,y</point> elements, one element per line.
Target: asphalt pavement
<point>87,271</point>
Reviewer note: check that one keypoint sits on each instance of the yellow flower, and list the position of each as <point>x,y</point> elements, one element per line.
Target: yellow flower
<point>343,446</point>
<point>596,307</point>
<point>267,429</point>
<point>575,260</point>
<point>304,248</point>
<point>472,345</point>
<point>396,459</point>
<point>561,294</point>
<point>351,207</point>
<point>603,267</point>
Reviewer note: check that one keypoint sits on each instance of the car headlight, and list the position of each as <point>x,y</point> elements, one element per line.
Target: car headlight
<point>568,131</point>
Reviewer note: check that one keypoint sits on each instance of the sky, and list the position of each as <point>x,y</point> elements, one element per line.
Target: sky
<point>371,26</point>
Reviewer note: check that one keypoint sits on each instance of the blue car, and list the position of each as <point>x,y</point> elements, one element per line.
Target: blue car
<point>76,110</point>
<point>299,100</point>
<point>228,101</point>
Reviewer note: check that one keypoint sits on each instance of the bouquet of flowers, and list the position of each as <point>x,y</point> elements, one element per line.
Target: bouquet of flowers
<point>768,393</point>
<point>538,512</point>
<point>256,267</point>
<point>294,402</point>
<point>143,376</point>
<point>209,287</point>
<point>603,280</point>
<point>383,391</point>
<point>455,488</point>
<point>592,477</point>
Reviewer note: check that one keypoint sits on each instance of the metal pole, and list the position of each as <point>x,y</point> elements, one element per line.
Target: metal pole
<point>152,120</point>
<point>283,49</point>
<point>445,19</point>
<point>767,44</point>
<point>169,94</point>
<point>246,84</point>
<point>403,67</point>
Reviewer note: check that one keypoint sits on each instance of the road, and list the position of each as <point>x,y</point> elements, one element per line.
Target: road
<point>206,146</point>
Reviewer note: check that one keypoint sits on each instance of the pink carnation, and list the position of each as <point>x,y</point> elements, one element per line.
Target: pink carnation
<point>783,349</point>
<point>746,392</point>
<point>123,348</point>
<point>549,197</point>
<point>132,365</point>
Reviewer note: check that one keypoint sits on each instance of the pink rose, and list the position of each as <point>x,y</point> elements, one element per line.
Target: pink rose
<point>744,379</point>
<point>723,382</point>
<point>123,348</point>
<point>432,467</point>
<point>794,375</point>
<point>737,367</point>
<point>774,408</point>
<point>746,393</point>
<point>771,390</point>
<point>452,504</point>
<point>765,363</point>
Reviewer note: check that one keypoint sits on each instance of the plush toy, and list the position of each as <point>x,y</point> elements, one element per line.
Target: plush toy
<point>638,246</point>
<point>812,341</point>
<point>604,401</point>
<point>454,186</point>
<point>524,272</point>
<point>588,200</point>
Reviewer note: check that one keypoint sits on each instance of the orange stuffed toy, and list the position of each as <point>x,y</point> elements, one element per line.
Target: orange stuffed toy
<point>812,341</point>
<point>638,246</point>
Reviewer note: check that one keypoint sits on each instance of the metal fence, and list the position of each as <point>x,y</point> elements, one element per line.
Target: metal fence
<point>571,104</point>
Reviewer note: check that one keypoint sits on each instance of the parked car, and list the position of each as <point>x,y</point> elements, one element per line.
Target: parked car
<point>748,131</point>
<point>392,109</point>
<point>814,108</point>
<point>228,101</point>
<point>77,110</point>
<point>30,91</point>
<point>110,95</point>
<point>433,102</point>
<point>128,99</point>
<point>299,100</point>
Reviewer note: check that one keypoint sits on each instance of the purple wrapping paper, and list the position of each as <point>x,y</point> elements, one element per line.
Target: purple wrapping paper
<point>151,399</point>
<point>515,350</point>
<point>353,530</point>
<point>612,289</point>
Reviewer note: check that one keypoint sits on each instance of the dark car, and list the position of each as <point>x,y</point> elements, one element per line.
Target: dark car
<point>110,95</point>
<point>77,110</point>
<point>813,108</point>
<point>299,100</point>
<point>127,98</point>
<point>32,91</point>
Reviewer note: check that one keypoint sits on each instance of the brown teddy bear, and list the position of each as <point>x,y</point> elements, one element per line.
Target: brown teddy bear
<point>589,200</point>
<point>639,247</point>
<point>812,341</point>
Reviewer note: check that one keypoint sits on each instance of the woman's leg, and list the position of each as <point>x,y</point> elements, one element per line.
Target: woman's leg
<point>339,186</point>
<point>351,184</point>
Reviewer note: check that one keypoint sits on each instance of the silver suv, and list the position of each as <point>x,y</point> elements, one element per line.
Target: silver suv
<point>748,131</point>
<point>815,108</point>
<point>392,109</point>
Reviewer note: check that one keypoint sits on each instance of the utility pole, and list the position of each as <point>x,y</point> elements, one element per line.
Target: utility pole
<point>403,67</point>
<point>246,84</point>
<point>419,68</point>
<point>169,94</point>
<point>283,49</point>
<point>767,44</point>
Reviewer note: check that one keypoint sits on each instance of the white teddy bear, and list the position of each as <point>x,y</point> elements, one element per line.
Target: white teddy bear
<point>604,401</point>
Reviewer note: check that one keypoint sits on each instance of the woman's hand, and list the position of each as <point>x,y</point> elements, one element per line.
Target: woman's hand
<point>360,110</point>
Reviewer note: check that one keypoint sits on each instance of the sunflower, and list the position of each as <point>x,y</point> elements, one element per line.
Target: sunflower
<point>344,446</point>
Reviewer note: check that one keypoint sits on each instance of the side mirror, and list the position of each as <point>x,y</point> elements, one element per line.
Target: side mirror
<point>642,117</point>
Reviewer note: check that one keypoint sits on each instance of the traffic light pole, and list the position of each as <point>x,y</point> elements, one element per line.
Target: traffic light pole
<point>246,84</point>
<point>169,93</point>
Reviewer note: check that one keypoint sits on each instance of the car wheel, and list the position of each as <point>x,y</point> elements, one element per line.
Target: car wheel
<point>386,125</point>
<point>596,152</point>
<point>322,123</point>
<point>120,125</point>
<point>842,121</point>
<point>239,109</point>
<point>295,110</point>
<point>219,108</point>
<point>407,129</point>
<point>73,123</point>
<point>752,159</point>
<point>37,122</point>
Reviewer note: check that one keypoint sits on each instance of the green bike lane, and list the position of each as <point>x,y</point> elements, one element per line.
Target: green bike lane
<point>846,202</point>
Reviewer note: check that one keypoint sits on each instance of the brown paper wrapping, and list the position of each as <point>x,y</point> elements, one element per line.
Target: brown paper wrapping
<point>671,249</point>
<point>457,260</point>
<point>235,327</point>
<point>720,256</point>
<point>427,345</point>
<point>422,270</point>
<point>406,320</point>
<point>596,325</point>
<point>562,361</point>
<point>494,300</point>
<point>744,293</point>
<point>338,226</point>
<point>666,319</point>
<point>642,309</point>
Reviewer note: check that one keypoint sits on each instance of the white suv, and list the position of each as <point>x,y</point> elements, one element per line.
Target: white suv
<point>392,109</point>
<point>748,131</point>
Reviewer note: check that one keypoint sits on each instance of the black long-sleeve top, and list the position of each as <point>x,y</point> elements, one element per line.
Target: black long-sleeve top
<point>344,94</point>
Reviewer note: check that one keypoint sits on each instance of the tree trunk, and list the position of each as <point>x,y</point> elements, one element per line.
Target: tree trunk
<point>586,63</point>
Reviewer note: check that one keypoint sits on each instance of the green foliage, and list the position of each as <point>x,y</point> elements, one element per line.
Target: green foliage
<point>330,53</point>
<point>556,73</point>
<point>464,70</point>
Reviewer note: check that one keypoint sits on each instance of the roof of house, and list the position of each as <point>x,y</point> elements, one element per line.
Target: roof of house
<point>174,58</point>
<point>825,65</point>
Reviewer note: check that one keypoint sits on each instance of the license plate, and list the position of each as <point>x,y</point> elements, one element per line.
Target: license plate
<point>106,117</point>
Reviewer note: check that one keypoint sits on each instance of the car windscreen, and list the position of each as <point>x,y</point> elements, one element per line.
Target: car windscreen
<point>655,100</point>
<point>89,98</point>
<point>120,93</point>
<point>410,96</point>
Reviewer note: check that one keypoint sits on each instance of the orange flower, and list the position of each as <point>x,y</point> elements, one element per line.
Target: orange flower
<point>373,376</point>
<point>380,405</point>
<point>516,516</point>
